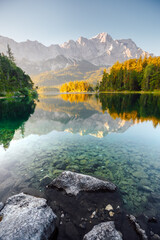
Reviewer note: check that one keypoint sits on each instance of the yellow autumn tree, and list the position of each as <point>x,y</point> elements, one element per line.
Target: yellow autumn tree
<point>76,86</point>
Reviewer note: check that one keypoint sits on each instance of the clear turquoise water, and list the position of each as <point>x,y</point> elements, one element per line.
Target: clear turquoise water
<point>59,135</point>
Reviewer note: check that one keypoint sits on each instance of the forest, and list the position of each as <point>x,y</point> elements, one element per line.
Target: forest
<point>12,78</point>
<point>141,74</point>
<point>76,86</point>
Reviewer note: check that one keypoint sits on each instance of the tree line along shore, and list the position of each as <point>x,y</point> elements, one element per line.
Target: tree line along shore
<point>142,74</point>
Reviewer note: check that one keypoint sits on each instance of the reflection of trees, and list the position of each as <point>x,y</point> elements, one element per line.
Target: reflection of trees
<point>136,107</point>
<point>12,117</point>
<point>75,97</point>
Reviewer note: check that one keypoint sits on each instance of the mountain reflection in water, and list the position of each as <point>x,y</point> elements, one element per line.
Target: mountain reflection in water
<point>110,136</point>
<point>92,114</point>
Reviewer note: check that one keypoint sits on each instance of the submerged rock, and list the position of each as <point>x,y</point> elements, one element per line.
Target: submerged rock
<point>73,183</point>
<point>103,231</point>
<point>139,230</point>
<point>111,213</point>
<point>109,207</point>
<point>155,237</point>
<point>93,214</point>
<point>26,217</point>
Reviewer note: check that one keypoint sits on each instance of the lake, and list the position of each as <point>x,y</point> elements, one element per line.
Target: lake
<point>114,137</point>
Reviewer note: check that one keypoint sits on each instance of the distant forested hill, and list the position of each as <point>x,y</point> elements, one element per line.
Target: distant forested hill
<point>133,75</point>
<point>12,78</point>
<point>83,71</point>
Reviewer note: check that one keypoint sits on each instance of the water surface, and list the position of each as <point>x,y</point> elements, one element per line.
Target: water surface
<point>111,136</point>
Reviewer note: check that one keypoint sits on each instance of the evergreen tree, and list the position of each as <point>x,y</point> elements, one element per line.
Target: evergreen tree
<point>10,54</point>
<point>133,75</point>
<point>12,78</point>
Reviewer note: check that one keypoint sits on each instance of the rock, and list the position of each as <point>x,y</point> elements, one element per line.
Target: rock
<point>26,217</point>
<point>155,237</point>
<point>145,188</point>
<point>93,214</point>
<point>73,183</point>
<point>1,206</point>
<point>111,213</point>
<point>109,207</point>
<point>140,231</point>
<point>140,174</point>
<point>103,231</point>
<point>82,225</point>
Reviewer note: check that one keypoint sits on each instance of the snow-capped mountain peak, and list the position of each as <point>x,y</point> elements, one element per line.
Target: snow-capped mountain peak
<point>99,50</point>
<point>82,41</point>
<point>102,37</point>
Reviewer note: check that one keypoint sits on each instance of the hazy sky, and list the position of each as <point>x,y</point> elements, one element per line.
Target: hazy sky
<point>57,21</point>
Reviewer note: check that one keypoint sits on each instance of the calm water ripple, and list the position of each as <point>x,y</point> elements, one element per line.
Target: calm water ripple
<point>110,136</point>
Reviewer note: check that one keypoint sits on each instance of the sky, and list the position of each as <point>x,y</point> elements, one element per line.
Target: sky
<point>57,21</point>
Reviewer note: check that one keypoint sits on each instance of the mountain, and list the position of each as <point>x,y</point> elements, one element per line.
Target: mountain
<point>100,50</point>
<point>52,64</point>
<point>82,70</point>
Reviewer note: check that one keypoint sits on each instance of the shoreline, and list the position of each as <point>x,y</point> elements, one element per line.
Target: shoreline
<point>77,215</point>
<point>108,92</point>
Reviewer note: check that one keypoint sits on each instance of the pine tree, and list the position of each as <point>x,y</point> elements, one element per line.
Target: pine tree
<point>10,54</point>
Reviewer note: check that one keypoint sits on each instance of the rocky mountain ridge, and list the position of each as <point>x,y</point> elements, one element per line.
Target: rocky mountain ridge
<point>100,50</point>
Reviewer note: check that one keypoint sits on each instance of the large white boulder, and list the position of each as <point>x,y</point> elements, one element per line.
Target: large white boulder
<point>73,183</point>
<point>26,217</point>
